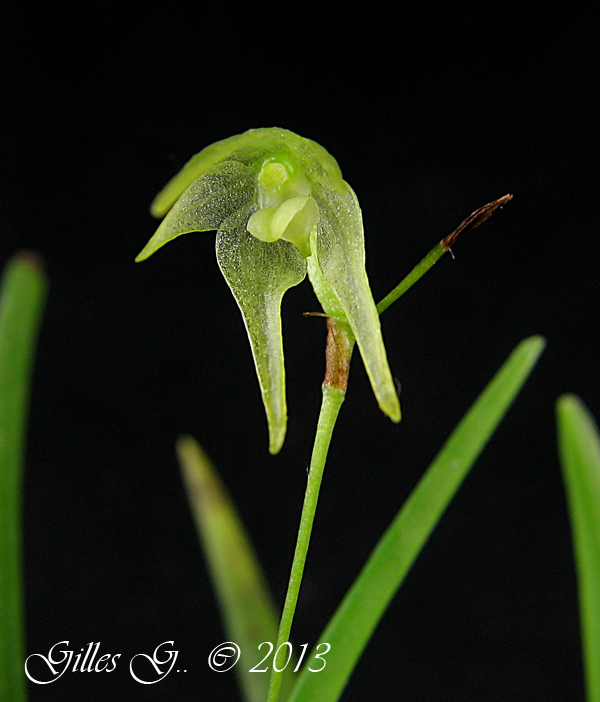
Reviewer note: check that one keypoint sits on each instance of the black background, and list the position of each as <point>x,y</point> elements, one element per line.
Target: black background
<point>429,117</point>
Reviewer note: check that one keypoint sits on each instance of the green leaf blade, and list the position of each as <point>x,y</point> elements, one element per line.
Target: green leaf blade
<point>245,601</point>
<point>363,606</point>
<point>21,303</point>
<point>579,449</point>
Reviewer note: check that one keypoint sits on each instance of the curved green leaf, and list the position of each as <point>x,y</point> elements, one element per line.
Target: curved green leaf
<point>21,302</point>
<point>352,625</point>
<point>246,603</point>
<point>579,448</point>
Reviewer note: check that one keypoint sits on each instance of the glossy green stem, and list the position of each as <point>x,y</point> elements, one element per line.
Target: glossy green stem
<point>332,401</point>
<point>351,627</point>
<point>417,272</point>
<point>330,407</point>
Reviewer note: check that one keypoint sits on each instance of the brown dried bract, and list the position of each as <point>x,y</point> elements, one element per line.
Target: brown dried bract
<point>338,353</point>
<point>474,220</point>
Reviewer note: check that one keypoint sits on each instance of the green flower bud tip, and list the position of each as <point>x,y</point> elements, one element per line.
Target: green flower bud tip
<point>281,208</point>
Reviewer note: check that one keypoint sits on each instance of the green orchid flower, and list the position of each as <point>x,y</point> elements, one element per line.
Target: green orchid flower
<point>281,209</point>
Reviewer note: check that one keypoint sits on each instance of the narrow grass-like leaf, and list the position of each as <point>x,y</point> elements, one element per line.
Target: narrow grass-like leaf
<point>363,606</point>
<point>21,302</point>
<point>579,447</point>
<point>249,614</point>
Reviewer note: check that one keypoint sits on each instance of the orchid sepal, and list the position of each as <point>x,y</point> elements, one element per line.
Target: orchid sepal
<point>258,274</point>
<point>281,207</point>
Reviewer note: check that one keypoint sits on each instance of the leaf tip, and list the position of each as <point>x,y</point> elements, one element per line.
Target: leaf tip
<point>276,439</point>
<point>534,345</point>
<point>199,476</point>
<point>572,406</point>
<point>185,445</point>
<point>31,259</point>
<point>568,401</point>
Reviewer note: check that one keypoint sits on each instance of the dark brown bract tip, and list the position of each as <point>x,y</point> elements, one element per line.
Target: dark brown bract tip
<point>474,220</point>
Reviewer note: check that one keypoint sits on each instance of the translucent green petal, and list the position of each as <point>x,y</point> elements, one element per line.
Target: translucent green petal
<point>226,190</point>
<point>341,257</point>
<point>258,274</point>
<point>250,148</point>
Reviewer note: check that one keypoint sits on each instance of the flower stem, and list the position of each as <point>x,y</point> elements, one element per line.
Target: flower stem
<point>471,222</point>
<point>417,272</point>
<point>333,398</point>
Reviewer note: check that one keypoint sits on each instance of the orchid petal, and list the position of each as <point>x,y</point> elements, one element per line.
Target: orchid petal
<point>281,207</point>
<point>227,189</point>
<point>248,148</point>
<point>340,252</point>
<point>258,274</point>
